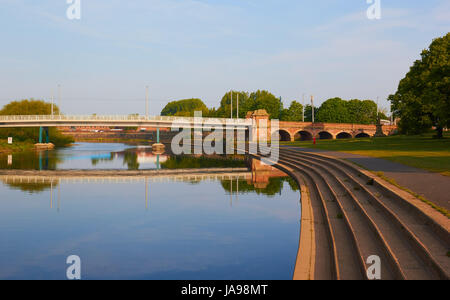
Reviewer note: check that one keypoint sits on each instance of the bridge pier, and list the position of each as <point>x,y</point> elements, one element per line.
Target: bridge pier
<point>43,130</point>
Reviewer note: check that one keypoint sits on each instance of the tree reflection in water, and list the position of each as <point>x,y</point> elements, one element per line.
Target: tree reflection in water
<point>270,183</point>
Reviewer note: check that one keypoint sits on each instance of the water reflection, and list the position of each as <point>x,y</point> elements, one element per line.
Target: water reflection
<point>148,229</point>
<point>112,156</point>
<point>163,223</point>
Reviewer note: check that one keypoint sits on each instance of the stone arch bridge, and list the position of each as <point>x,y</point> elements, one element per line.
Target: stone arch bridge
<point>304,131</point>
<point>299,131</point>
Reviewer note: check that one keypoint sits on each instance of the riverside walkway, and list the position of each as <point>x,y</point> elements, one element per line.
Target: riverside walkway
<point>432,186</point>
<point>350,215</point>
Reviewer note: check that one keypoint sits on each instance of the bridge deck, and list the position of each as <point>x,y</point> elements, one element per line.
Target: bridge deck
<point>129,121</point>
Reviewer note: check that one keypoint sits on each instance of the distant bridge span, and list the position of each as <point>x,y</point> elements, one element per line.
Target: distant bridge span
<point>301,131</point>
<point>120,121</point>
<point>287,131</point>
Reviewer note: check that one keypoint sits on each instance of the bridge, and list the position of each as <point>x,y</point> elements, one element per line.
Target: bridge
<point>120,121</point>
<point>253,124</point>
<point>294,131</point>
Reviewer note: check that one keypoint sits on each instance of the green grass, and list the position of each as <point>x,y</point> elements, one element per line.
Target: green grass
<point>420,151</point>
<point>15,147</point>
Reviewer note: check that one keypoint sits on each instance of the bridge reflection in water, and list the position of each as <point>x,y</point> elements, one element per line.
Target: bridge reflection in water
<point>257,176</point>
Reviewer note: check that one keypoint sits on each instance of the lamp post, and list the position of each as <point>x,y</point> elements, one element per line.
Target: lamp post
<point>231,105</point>
<point>52,103</point>
<point>146,102</point>
<point>59,98</point>
<point>303,108</point>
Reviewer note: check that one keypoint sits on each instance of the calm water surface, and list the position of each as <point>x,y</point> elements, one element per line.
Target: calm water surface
<point>181,230</point>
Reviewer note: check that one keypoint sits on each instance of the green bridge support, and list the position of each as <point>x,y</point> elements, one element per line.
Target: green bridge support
<point>43,130</point>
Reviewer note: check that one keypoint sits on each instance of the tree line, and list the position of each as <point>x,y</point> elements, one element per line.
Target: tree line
<point>31,135</point>
<point>335,110</point>
<point>421,102</point>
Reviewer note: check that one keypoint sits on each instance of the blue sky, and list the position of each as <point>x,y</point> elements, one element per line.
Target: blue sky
<point>203,48</point>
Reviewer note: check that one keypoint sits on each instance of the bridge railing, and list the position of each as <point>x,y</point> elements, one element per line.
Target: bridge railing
<point>113,118</point>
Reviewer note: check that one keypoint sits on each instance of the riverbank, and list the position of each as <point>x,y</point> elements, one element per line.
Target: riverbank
<point>15,147</point>
<point>419,151</point>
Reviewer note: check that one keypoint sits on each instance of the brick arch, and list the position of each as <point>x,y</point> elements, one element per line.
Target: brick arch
<point>344,135</point>
<point>283,134</point>
<point>303,135</point>
<point>325,135</point>
<point>362,135</point>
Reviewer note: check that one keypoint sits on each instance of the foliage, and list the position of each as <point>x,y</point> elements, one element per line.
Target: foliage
<point>333,111</point>
<point>266,100</point>
<point>337,110</point>
<point>362,112</point>
<point>308,113</point>
<point>254,101</point>
<point>274,187</point>
<point>224,110</point>
<point>294,113</point>
<point>185,108</point>
<point>422,98</point>
<point>32,107</point>
<point>202,162</point>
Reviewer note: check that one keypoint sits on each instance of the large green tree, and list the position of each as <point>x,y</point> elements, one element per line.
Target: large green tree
<point>294,113</point>
<point>32,107</point>
<point>185,108</point>
<point>361,112</point>
<point>308,113</point>
<point>333,110</point>
<point>266,100</point>
<point>422,98</point>
<point>224,110</point>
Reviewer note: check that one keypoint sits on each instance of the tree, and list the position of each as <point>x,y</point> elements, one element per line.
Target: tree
<point>265,100</point>
<point>254,101</point>
<point>224,110</point>
<point>294,113</point>
<point>308,113</point>
<point>333,110</point>
<point>185,108</point>
<point>361,112</point>
<point>422,98</point>
<point>32,107</point>
<point>29,107</point>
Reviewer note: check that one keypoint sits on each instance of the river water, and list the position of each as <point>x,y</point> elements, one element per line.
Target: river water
<point>145,228</point>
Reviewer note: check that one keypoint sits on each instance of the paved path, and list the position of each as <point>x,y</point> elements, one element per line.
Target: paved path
<point>433,186</point>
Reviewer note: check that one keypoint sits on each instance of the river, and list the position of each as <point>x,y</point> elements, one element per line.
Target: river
<point>145,228</point>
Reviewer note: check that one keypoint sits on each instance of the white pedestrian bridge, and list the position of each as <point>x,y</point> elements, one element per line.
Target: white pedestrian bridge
<point>12,121</point>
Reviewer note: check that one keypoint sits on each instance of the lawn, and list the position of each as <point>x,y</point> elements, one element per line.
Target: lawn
<point>421,151</point>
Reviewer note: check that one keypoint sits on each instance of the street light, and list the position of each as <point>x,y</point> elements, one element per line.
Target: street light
<point>52,102</point>
<point>59,98</point>
<point>231,105</point>
<point>146,101</point>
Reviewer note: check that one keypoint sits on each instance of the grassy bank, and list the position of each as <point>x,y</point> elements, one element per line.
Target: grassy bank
<point>15,147</point>
<point>421,151</point>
